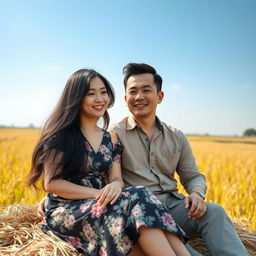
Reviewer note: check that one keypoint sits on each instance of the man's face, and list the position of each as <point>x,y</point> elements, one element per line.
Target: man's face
<point>141,95</point>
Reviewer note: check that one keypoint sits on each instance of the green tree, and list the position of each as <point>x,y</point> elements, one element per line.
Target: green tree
<point>250,132</point>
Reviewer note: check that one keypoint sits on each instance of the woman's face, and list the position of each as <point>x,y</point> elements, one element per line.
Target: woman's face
<point>96,101</point>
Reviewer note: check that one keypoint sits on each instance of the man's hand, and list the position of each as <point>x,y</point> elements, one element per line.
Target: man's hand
<point>109,194</point>
<point>197,206</point>
<point>40,208</point>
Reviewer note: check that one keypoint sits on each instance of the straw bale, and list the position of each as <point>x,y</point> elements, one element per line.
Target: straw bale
<point>20,235</point>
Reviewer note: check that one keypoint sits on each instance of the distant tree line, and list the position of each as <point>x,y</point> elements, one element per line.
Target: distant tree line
<point>30,126</point>
<point>250,132</point>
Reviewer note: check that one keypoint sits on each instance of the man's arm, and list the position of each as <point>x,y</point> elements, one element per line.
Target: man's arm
<point>192,180</point>
<point>190,177</point>
<point>196,204</point>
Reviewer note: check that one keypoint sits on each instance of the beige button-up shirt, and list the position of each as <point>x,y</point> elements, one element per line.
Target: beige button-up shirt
<point>153,164</point>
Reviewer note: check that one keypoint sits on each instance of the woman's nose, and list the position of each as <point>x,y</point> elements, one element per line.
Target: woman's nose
<point>99,97</point>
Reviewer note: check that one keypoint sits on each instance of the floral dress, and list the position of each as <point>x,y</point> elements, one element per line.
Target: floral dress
<point>113,230</point>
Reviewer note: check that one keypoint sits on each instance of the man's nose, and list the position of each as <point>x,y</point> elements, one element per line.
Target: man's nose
<point>139,96</point>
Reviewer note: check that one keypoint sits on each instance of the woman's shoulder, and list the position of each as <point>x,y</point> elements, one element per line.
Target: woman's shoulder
<point>113,136</point>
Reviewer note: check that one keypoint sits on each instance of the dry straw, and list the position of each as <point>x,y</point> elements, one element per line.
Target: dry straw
<point>20,235</point>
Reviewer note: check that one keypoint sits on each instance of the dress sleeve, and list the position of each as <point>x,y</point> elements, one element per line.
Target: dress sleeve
<point>117,152</point>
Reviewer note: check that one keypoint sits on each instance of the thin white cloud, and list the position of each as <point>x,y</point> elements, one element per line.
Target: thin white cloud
<point>176,86</point>
<point>248,86</point>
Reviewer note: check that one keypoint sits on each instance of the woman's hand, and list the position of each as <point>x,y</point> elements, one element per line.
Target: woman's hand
<point>40,208</point>
<point>109,193</point>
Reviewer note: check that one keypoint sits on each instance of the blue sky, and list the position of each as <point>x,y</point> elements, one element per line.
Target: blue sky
<point>204,50</point>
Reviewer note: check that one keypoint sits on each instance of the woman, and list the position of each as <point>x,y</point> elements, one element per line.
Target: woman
<point>74,157</point>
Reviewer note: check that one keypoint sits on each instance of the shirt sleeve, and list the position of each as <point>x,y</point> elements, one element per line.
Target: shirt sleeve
<point>117,152</point>
<point>187,168</point>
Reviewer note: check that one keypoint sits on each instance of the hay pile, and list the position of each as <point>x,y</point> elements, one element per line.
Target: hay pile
<point>20,235</point>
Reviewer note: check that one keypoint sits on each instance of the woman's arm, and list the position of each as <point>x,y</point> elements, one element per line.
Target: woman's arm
<point>70,190</point>
<point>113,189</point>
<point>116,175</point>
<point>111,192</point>
<point>63,187</point>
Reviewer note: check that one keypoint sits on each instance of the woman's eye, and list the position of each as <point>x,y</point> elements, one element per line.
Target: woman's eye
<point>90,94</point>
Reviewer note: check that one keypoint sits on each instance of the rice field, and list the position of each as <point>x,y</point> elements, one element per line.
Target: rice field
<point>16,146</point>
<point>229,164</point>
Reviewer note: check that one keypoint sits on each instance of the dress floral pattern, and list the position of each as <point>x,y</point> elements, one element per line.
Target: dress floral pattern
<point>111,231</point>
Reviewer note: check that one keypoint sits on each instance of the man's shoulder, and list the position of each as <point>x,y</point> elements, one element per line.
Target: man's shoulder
<point>171,129</point>
<point>121,125</point>
<point>173,133</point>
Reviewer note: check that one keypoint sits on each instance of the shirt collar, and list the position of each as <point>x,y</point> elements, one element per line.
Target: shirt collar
<point>131,123</point>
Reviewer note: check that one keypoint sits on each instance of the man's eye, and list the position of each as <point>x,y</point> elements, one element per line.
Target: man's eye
<point>132,92</point>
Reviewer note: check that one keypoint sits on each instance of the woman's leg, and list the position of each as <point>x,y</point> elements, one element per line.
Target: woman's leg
<point>154,242</point>
<point>176,244</point>
<point>137,251</point>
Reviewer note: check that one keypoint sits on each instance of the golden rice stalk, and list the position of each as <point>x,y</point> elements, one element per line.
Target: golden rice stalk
<point>20,235</point>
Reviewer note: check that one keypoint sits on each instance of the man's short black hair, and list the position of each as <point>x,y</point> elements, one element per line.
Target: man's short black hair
<point>141,68</point>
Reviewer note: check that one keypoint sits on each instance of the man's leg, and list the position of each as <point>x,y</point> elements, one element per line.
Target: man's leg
<point>180,214</point>
<point>215,228</point>
<point>192,251</point>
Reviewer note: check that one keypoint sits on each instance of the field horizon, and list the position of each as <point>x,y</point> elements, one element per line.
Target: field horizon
<point>229,164</point>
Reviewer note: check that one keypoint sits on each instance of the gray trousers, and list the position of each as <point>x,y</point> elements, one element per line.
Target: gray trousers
<point>214,227</point>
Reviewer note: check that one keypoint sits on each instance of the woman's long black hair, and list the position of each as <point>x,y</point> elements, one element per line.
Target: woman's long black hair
<point>61,133</point>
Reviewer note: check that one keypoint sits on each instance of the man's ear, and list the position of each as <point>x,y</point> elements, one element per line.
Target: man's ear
<point>125,98</point>
<point>160,97</point>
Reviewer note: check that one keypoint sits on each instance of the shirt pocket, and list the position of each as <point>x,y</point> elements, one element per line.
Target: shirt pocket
<point>167,162</point>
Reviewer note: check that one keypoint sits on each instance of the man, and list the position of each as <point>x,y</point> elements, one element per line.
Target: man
<point>153,151</point>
